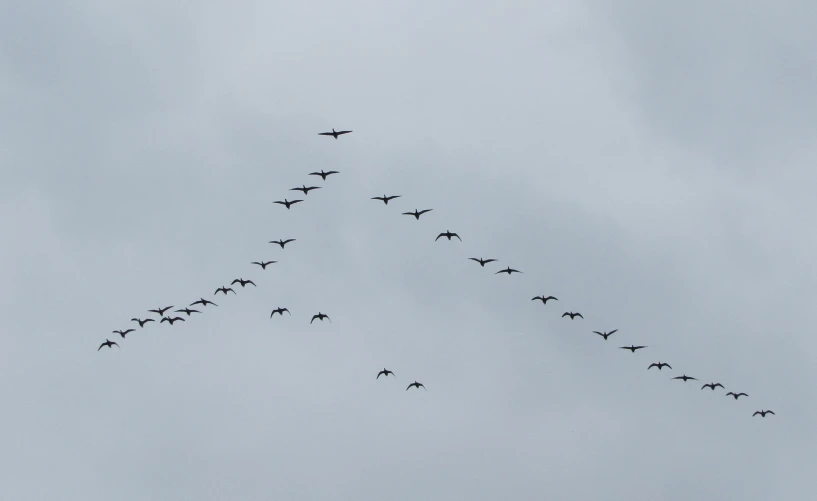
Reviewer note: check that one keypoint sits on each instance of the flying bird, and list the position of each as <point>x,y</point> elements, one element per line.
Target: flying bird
<point>571,315</point>
<point>605,335</point>
<point>631,348</point>
<point>507,270</point>
<point>282,243</point>
<point>107,343</point>
<point>660,365</point>
<point>544,299</point>
<point>482,262</point>
<point>333,133</point>
<point>416,385</point>
<point>122,333</point>
<point>161,311</point>
<point>142,322</point>
<point>203,302</point>
<point>171,320</point>
<point>710,385</point>
<point>736,395</point>
<point>417,213</point>
<point>386,199</point>
<point>279,311</point>
<point>763,413</point>
<point>448,235</point>
<point>188,311</point>
<point>243,282</point>
<point>320,316</point>
<point>287,203</point>
<point>224,290</point>
<point>324,174</point>
<point>685,377</point>
<point>263,264</point>
<point>384,372</point>
<point>305,189</point>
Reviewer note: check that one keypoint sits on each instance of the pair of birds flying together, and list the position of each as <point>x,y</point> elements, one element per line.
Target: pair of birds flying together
<point>386,372</point>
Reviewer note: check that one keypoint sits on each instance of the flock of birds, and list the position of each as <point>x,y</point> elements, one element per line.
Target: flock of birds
<point>160,312</point>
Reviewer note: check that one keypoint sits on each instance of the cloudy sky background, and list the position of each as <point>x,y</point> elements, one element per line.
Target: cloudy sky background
<point>651,166</point>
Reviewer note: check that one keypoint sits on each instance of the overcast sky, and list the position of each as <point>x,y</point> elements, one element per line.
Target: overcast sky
<point>652,166</point>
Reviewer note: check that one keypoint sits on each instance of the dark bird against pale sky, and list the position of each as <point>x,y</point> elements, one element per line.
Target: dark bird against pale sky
<point>334,134</point>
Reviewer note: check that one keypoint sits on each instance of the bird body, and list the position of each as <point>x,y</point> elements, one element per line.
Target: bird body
<point>448,235</point>
<point>334,134</point>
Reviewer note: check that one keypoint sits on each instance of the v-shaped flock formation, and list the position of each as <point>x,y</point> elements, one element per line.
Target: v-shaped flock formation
<point>448,234</point>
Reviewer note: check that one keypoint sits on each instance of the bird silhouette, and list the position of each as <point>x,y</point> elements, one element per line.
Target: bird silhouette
<point>507,270</point>
<point>188,311</point>
<point>384,372</point>
<point>417,213</point>
<point>416,385</point>
<point>448,235</point>
<point>171,321</point>
<point>305,189</point>
<point>242,282</point>
<point>203,302</point>
<point>320,316</point>
<point>279,311</point>
<point>263,264</point>
<point>660,365</point>
<point>571,315</point>
<point>324,174</point>
<point>282,243</point>
<point>224,290</point>
<point>123,333</point>
<point>287,203</point>
<point>386,199</point>
<point>710,385</point>
<point>142,322</point>
<point>160,311</point>
<point>736,395</point>
<point>108,343</point>
<point>685,378</point>
<point>631,348</point>
<point>605,335</point>
<point>763,413</point>
<point>334,134</point>
<point>482,262</point>
<point>544,299</point>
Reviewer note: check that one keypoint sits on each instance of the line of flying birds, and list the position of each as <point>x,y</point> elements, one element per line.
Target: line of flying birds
<point>321,316</point>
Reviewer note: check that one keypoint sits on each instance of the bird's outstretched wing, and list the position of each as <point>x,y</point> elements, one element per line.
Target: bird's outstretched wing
<point>343,132</point>
<point>771,412</point>
<point>580,316</point>
<point>756,413</point>
<point>455,235</point>
<point>612,332</point>
<point>438,236</point>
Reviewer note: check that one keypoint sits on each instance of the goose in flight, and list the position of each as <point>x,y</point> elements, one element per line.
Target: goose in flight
<point>188,311</point>
<point>416,385</point>
<point>224,290</point>
<point>660,365</point>
<point>122,333</point>
<point>482,262</point>
<point>631,348</point>
<point>544,299</point>
<point>384,372</point>
<point>507,270</point>
<point>605,335</point>
<point>448,235</point>
<point>160,311</point>
<point>324,174</point>
<point>279,311</point>
<point>685,378</point>
<point>171,321</point>
<point>202,302</point>
<point>108,343</point>
<point>386,199</point>
<point>142,322</point>
<point>242,282</point>
<point>334,134</point>
<point>282,243</point>
<point>263,264</point>
<point>320,316</point>
<point>287,203</point>
<point>736,395</point>
<point>417,213</point>
<point>305,189</point>
<point>571,315</point>
<point>763,413</point>
<point>710,385</point>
